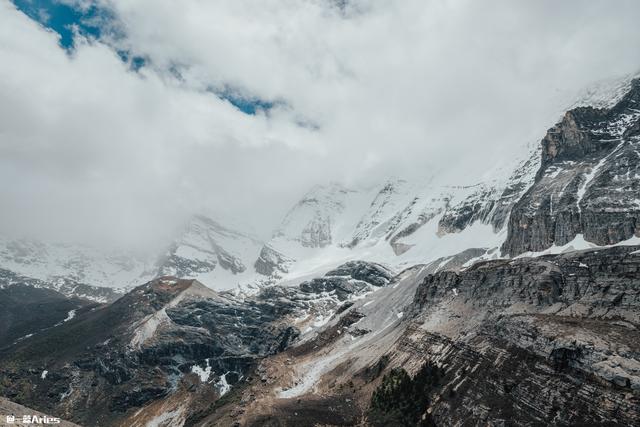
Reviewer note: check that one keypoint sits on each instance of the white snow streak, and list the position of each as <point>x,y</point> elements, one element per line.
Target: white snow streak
<point>589,176</point>
<point>70,315</point>
<point>223,385</point>
<point>168,419</point>
<point>203,374</point>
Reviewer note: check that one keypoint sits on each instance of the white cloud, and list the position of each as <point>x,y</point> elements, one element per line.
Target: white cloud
<point>407,88</point>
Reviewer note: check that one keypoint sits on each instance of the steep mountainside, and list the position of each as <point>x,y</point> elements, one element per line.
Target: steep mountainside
<point>314,221</point>
<point>216,255</point>
<point>534,341</point>
<point>26,310</point>
<point>531,341</point>
<point>62,285</point>
<point>579,183</point>
<point>73,270</point>
<point>588,182</point>
<point>399,223</point>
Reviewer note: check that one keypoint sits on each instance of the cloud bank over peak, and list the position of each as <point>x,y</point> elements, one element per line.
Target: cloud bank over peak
<point>239,106</point>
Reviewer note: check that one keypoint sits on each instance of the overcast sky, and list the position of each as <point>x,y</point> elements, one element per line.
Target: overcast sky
<point>348,91</point>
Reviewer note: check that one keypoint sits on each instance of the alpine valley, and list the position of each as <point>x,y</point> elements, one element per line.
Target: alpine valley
<point>513,301</point>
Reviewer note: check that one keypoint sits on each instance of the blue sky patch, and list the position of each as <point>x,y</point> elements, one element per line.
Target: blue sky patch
<point>63,18</point>
<point>247,104</point>
<point>135,62</point>
<point>95,22</point>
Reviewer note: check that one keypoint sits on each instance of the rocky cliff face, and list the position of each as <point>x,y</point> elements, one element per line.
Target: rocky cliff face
<point>562,327</point>
<point>587,183</point>
<point>349,279</point>
<point>270,262</point>
<point>533,341</point>
<point>490,203</point>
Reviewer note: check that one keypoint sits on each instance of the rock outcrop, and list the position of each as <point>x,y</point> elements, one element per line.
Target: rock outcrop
<point>588,182</point>
<point>271,262</point>
<point>349,279</point>
<point>554,334</point>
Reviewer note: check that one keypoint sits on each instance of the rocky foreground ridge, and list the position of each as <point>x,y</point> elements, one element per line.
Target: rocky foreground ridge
<point>164,339</point>
<point>530,341</point>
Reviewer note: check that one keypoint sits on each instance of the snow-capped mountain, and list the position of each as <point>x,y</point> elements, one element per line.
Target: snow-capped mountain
<point>586,158</point>
<point>203,249</point>
<point>398,223</point>
<point>558,190</point>
<point>214,254</point>
<point>74,270</point>
<point>588,183</point>
<point>318,219</point>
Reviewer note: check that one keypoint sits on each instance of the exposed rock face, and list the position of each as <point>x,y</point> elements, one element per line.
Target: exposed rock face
<point>229,262</point>
<point>372,273</point>
<point>595,284</point>
<point>490,204</point>
<point>187,267</point>
<point>204,246</point>
<point>456,262</point>
<point>351,278</point>
<point>555,334</point>
<point>272,262</point>
<point>477,207</point>
<point>341,286</point>
<point>588,181</point>
<point>386,214</point>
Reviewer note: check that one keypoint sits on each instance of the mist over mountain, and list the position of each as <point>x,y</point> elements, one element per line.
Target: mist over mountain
<point>340,213</point>
<point>128,128</point>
